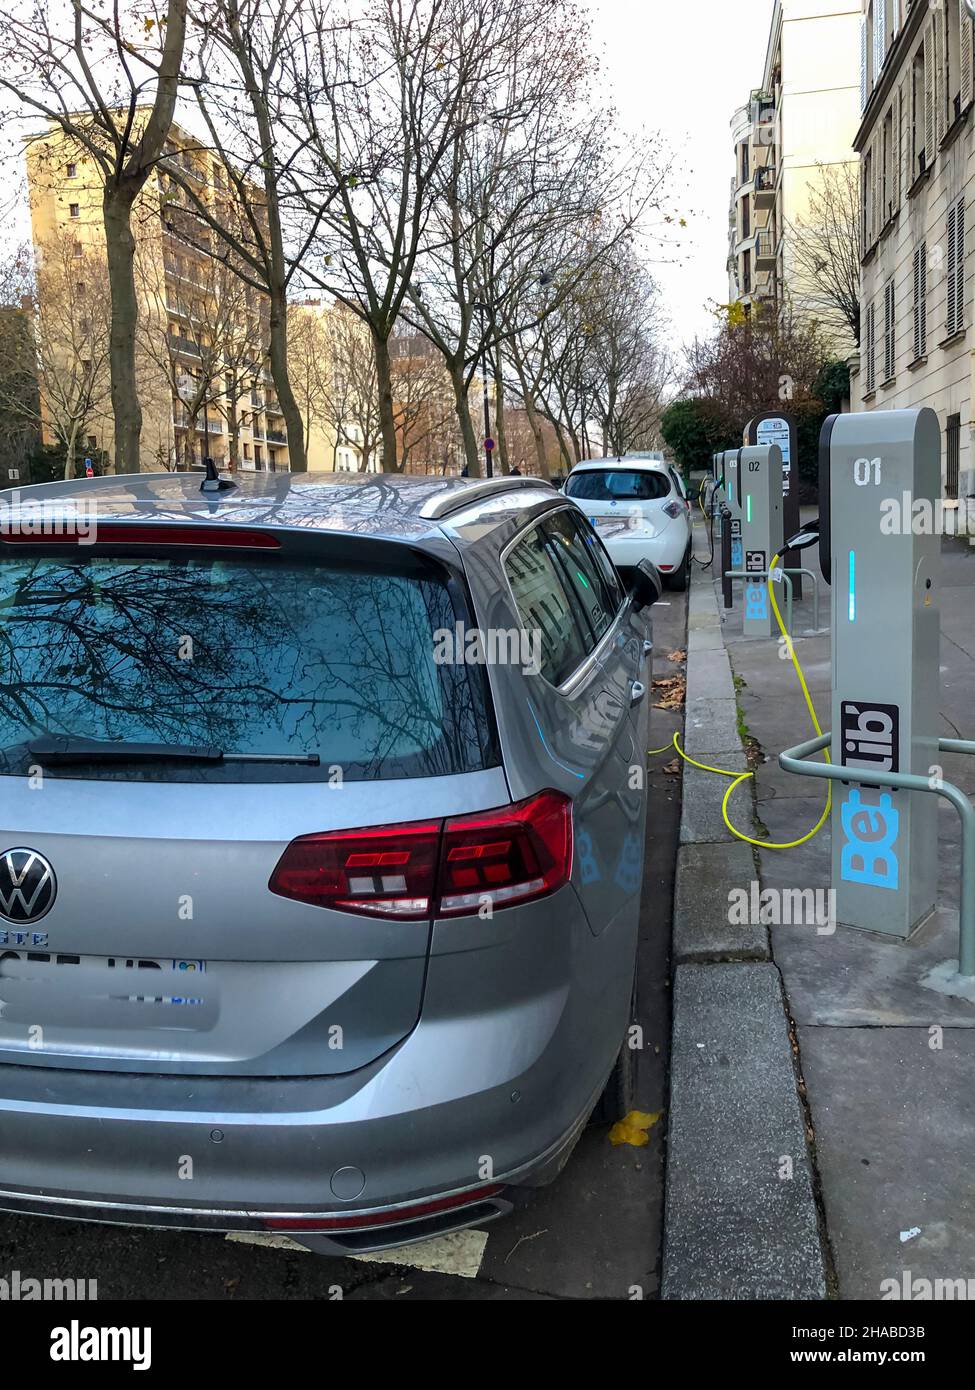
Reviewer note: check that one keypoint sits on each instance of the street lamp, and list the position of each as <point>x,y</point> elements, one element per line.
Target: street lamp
<point>488,441</point>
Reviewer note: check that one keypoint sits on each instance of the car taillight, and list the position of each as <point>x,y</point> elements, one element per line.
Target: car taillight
<point>507,856</point>
<point>433,868</point>
<point>386,871</point>
<point>673,509</point>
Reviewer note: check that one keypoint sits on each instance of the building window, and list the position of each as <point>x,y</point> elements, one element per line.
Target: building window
<point>920,301</point>
<point>76,252</point>
<point>72,171</point>
<point>746,272</point>
<point>890,356</point>
<point>887,168</point>
<point>74,210</point>
<point>93,442</point>
<point>953,456</point>
<point>955,271</point>
<point>870,344</point>
<point>746,219</point>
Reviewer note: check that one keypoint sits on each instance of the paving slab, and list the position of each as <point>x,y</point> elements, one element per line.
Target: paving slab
<point>895,1134</point>
<point>741,1220</point>
<point>709,676</point>
<point>701,819</point>
<point>854,978</point>
<point>703,930</point>
<point>710,726</point>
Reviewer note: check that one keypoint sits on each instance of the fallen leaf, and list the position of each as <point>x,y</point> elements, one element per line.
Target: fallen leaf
<point>634,1128</point>
<point>673,767</point>
<point>677,656</point>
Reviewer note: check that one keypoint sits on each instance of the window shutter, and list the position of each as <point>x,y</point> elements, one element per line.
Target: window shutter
<point>965,50</point>
<point>878,168</point>
<point>895,153</point>
<point>929,142</point>
<point>939,85</point>
<point>960,265</point>
<point>888,330</point>
<point>878,39</point>
<point>871,372</point>
<point>920,300</point>
<point>951,286</point>
<point>863,64</point>
<point>906,177</point>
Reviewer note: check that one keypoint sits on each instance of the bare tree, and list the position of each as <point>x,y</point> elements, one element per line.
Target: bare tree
<point>825,250</point>
<point>59,338</point>
<point>106,79</point>
<point>388,97</point>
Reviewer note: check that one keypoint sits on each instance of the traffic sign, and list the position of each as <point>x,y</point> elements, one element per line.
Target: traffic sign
<point>489,444</point>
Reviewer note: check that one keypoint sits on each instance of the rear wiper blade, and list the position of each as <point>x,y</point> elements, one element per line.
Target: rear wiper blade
<point>65,748</point>
<point>55,749</point>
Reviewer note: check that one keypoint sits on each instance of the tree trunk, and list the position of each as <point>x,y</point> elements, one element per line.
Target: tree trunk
<point>538,435</point>
<point>278,352</point>
<point>472,455</point>
<point>120,250</point>
<point>499,430</point>
<point>387,416</point>
<point>69,452</point>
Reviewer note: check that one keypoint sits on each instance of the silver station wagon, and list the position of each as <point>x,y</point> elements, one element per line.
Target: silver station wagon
<point>321,845</point>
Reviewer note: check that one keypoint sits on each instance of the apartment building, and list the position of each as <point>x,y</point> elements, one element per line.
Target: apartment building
<point>916,147</point>
<point>204,379</point>
<point>801,120</point>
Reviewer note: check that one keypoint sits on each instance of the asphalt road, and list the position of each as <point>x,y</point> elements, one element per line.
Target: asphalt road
<point>594,1233</point>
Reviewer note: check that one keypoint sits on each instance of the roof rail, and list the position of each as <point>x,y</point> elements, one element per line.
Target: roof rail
<point>455,498</point>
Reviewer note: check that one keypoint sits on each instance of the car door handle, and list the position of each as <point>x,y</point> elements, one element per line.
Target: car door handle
<point>637,692</point>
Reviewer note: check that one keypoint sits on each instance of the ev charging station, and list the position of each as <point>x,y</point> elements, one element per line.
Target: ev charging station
<point>758,489</point>
<point>729,469</point>
<point>885,643</point>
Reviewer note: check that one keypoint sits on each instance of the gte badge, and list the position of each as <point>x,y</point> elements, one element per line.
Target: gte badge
<point>870,822</point>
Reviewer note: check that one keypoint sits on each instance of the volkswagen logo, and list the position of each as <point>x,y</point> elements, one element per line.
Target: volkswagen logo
<point>27,885</point>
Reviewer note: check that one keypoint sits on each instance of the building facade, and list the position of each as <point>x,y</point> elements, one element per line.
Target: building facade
<point>800,121</point>
<point>204,379</point>
<point>916,147</point>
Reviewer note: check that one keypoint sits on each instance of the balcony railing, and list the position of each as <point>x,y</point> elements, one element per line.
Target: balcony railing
<point>276,437</point>
<point>180,344</point>
<point>765,179</point>
<point>764,247</point>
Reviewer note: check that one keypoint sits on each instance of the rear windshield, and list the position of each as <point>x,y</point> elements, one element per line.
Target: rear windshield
<point>249,655</point>
<point>618,485</point>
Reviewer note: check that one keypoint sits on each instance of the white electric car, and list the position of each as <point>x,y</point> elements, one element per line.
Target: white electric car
<point>640,510</point>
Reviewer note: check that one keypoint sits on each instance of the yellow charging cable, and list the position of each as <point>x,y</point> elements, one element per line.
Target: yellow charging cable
<point>739,777</point>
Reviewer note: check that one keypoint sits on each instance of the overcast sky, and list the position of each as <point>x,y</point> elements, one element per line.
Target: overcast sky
<point>683,67</point>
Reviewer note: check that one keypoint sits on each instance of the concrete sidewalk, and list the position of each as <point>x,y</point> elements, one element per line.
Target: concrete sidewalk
<point>885,1062</point>
<point>741,1220</point>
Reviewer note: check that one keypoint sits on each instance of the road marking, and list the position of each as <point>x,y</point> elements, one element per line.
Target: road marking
<point>457,1252</point>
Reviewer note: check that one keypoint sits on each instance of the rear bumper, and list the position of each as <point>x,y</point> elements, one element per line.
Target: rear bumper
<point>481,1099</point>
<point>665,549</point>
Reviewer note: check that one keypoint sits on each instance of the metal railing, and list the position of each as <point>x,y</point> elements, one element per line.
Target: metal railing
<point>796,760</point>
<point>784,573</point>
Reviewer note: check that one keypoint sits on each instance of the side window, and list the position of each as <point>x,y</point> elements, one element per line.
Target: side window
<point>596,602</point>
<point>544,606</point>
<point>603,563</point>
<point>678,483</point>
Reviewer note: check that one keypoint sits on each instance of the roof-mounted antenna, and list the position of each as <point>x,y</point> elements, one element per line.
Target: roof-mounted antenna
<point>214,481</point>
